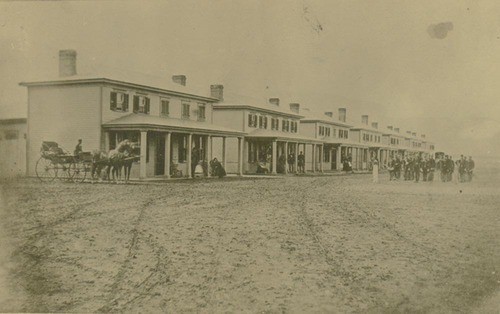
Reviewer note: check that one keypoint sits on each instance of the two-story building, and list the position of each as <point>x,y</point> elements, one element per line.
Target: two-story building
<point>167,118</point>
<point>334,133</point>
<point>272,132</point>
<point>370,139</point>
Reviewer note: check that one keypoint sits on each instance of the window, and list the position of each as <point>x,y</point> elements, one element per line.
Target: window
<point>294,126</point>
<point>252,120</point>
<point>185,111</point>
<point>165,107</point>
<point>275,124</point>
<point>262,122</point>
<point>334,132</point>
<point>285,126</point>
<point>118,101</point>
<point>201,112</point>
<point>141,104</point>
<point>346,134</point>
<point>327,132</point>
<point>11,135</point>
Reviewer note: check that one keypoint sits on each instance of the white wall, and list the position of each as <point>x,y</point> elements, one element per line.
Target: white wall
<point>62,114</point>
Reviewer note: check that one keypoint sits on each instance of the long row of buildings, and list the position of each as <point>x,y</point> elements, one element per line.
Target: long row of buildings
<point>169,119</point>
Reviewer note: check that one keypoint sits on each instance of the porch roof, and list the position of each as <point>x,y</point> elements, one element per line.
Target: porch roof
<point>291,137</point>
<point>143,121</point>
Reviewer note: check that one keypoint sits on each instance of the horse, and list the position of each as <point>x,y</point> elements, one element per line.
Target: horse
<point>113,161</point>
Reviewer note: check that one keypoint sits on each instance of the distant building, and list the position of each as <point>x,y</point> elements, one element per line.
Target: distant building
<point>12,147</point>
<point>272,133</point>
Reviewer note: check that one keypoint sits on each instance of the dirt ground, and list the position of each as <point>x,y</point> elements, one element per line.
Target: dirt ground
<point>293,244</point>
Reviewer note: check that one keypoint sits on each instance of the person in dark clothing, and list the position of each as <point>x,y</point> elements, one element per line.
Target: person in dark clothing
<point>217,169</point>
<point>431,165</point>
<point>301,161</point>
<point>470,168</point>
<point>425,169</point>
<point>397,168</point>
<point>417,165</point>
<point>78,148</point>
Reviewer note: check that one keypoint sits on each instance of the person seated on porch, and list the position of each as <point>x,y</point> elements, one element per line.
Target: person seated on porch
<point>217,169</point>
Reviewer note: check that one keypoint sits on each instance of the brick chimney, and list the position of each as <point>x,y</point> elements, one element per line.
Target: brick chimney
<point>295,107</point>
<point>179,79</point>
<point>274,101</point>
<point>364,119</point>
<point>329,114</point>
<point>390,127</point>
<point>396,129</point>
<point>67,63</point>
<point>342,114</point>
<point>217,91</point>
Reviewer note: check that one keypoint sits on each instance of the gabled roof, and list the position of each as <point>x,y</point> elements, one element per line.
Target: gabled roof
<point>136,121</point>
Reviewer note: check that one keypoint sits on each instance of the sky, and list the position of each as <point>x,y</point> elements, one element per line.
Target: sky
<point>427,66</point>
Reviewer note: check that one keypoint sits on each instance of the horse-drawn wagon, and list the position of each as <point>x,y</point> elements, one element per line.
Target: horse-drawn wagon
<point>55,162</point>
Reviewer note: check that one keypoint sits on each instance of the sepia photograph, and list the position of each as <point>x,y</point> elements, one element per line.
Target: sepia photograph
<point>250,156</point>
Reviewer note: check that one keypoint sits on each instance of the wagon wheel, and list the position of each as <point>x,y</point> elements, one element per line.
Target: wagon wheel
<point>79,171</point>
<point>45,170</point>
<point>65,171</point>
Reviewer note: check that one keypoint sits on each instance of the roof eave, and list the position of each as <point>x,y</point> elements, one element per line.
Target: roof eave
<point>117,82</point>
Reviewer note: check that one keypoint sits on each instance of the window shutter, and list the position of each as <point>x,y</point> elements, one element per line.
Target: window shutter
<point>125,102</point>
<point>113,101</point>
<point>146,107</point>
<point>136,103</point>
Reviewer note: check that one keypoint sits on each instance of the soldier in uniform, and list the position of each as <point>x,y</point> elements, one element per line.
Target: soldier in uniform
<point>416,168</point>
<point>470,168</point>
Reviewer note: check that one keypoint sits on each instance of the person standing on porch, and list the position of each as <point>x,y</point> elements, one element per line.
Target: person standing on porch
<point>301,160</point>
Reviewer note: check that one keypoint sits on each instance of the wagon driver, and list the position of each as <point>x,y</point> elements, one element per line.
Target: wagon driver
<point>78,148</point>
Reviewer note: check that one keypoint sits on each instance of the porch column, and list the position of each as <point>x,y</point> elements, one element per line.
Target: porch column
<point>338,162</point>
<point>167,154</point>
<point>144,147</point>
<point>305,157</point>
<point>224,152</point>
<point>274,159</point>
<point>286,157</point>
<point>321,154</point>
<point>240,156</point>
<point>189,149</point>
<point>296,165</point>
<point>209,154</point>
<point>313,157</point>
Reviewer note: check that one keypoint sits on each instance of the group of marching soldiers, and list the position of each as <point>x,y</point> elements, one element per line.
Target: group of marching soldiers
<point>415,167</point>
